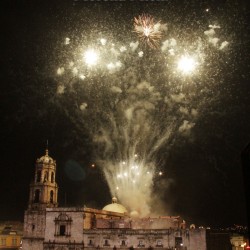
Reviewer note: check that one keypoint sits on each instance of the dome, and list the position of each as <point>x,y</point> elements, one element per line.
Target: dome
<point>46,158</point>
<point>115,207</point>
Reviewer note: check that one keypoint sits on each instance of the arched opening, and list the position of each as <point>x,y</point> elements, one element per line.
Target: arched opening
<point>52,177</point>
<point>38,176</point>
<point>51,196</point>
<point>37,196</point>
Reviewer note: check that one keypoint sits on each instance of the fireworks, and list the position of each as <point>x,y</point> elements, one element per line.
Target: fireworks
<point>186,64</point>
<point>148,31</point>
<point>91,57</point>
<point>132,105</point>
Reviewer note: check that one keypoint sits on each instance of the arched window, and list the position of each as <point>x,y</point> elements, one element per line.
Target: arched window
<point>52,177</point>
<point>38,176</point>
<point>51,196</point>
<point>37,196</point>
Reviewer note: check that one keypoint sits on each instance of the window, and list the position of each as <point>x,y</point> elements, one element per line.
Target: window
<point>62,230</point>
<point>90,243</point>
<point>123,243</point>
<point>106,243</point>
<point>159,243</point>
<point>3,242</point>
<point>37,196</point>
<point>178,241</point>
<point>38,176</point>
<point>14,242</point>
<point>52,177</point>
<point>33,227</point>
<point>63,225</point>
<point>51,196</point>
<point>140,243</point>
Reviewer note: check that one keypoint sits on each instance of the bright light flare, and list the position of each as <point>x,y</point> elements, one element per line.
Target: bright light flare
<point>91,57</point>
<point>187,64</point>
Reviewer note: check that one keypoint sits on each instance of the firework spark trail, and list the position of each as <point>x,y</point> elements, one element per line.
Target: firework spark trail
<point>148,30</point>
<point>131,115</point>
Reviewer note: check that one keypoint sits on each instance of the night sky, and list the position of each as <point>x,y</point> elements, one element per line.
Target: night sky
<point>202,175</point>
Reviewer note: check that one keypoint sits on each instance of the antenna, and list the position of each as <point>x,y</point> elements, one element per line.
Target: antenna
<point>47,148</point>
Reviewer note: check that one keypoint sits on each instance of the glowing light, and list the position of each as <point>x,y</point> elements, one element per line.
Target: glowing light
<point>186,64</point>
<point>160,173</point>
<point>91,57</point>
<point>93,165</point>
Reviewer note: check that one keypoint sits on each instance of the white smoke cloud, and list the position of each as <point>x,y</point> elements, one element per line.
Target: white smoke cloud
<point>60,71</point>
<point>103,41</point>
<point>115,89</point>
<point>194,112</point>
<point>171,52</point>
<point>214,40</point>
<point>186,126</point>
<point>115,52</point>
<point>145,85</point>
<point>67,40</point>
<point>123,48</point>
<point>134,46</point>
<point>83,106</point>
<point>81,76</point>
<point>140,54</point>
<point>223,45</point>
<point>164,27</point>
<point>170,43</point>
<point>214,26</point>
<point>60,89</point>
<point>209,32</point>
<point>184,110</point>
<point>178,98</point>
<point>75,71</point>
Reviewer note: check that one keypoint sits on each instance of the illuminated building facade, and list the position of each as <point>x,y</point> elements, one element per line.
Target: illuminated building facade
<point>47,226</point>
<point>10,235</point>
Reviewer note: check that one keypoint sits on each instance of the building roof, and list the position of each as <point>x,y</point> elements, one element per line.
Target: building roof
<point>115,207</point>
<point>46,158</point>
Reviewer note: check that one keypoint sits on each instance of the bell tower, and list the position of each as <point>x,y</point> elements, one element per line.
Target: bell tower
<point>43,190</point>
<point>43,194</point>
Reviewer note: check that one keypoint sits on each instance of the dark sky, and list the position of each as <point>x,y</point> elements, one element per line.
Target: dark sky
<point>208,184</point>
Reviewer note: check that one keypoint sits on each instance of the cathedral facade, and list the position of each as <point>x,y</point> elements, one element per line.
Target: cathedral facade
<point>50,227</point>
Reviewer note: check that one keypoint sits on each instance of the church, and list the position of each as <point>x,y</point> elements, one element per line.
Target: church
<point>47,226</point>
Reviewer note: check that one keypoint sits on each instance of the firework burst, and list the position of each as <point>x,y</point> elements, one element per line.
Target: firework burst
<point>148,30</point>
